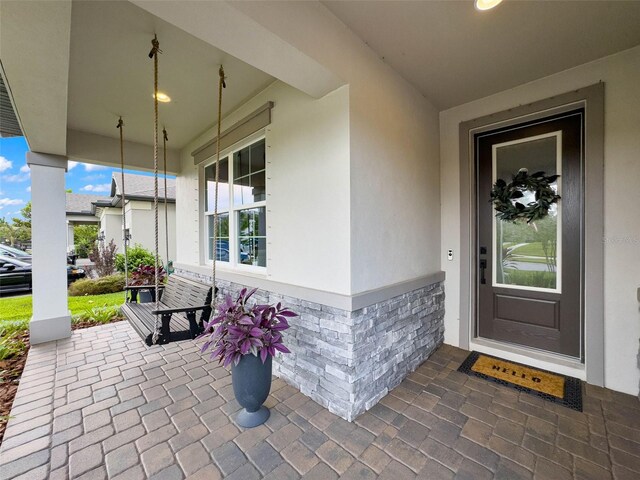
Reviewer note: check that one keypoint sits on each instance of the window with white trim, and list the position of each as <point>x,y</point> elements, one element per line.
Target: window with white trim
<point>242,210</point>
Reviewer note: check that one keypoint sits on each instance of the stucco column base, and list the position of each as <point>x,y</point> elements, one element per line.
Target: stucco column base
<point>48,329</point>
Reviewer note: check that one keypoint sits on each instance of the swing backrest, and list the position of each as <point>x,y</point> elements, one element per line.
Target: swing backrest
<point>180,292</point>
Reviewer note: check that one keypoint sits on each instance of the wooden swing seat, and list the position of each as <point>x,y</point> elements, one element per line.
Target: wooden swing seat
<point>180,300</point>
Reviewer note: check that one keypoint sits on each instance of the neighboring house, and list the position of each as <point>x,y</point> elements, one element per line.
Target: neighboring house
<point>354,183</point>
<point>139,210</point>
<point>106,212</point>
<point>80,211</point>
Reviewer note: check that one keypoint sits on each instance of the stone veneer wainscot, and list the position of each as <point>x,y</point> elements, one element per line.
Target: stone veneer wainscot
<point>348,360</point>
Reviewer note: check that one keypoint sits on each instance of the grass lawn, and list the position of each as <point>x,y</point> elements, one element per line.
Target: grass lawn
<point>533,249</point>
<point>19,308</point>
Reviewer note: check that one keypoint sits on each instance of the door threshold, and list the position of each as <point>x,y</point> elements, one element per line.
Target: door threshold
<point>535,358</point>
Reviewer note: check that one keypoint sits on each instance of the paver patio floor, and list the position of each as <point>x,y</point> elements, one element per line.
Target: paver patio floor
<point>102,405</point>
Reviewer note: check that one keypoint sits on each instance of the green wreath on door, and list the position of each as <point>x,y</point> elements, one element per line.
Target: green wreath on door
<point>505,196</point>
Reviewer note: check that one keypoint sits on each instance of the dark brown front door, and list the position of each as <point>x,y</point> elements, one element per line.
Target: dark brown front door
<point>529,276</point>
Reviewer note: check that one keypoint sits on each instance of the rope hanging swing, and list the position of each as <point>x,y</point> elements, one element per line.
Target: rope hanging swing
<point>153,54</point>
<point>165,139</point>
<point>125,233</point>
<point>214,247</point>
<point>155,50</point>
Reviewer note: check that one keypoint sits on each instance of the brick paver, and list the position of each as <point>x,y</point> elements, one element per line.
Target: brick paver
<point>102,405</point>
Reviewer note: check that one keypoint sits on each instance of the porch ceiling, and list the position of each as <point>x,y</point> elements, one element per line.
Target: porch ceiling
<point>454,54</point>
<point>110,74</point>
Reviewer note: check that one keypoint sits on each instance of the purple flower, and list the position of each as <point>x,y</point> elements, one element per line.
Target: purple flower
<point>240,329</point>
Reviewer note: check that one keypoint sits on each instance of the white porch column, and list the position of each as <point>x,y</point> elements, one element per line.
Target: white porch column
<point>51,318</point>
<point>70,237</point>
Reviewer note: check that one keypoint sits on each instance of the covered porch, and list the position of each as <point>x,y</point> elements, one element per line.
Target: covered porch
<point>100,404</point>
<point>351,194</point>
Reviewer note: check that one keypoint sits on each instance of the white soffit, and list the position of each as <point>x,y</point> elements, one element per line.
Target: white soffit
<point>34,48</point>
<point>455,54</point>
<point>111,75</point>
<point>225,25</point>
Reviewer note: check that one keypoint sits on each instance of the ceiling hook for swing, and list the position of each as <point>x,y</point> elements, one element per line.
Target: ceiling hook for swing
<point>120,123</point>
<point>164,134</point>
<point>222,77</point>
<point>155,46</point>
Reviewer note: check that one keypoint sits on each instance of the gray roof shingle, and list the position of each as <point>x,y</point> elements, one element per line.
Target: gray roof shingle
<point>139,186</point>
<point>80,203</point>
<point>142,186</point>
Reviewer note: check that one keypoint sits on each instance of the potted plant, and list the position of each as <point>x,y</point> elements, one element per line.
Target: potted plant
<point>247,337</point>
<point>146,275</point>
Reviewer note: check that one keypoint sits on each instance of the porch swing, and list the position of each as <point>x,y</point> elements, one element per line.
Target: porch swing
<point>172,316</point>
<point>131,291</point>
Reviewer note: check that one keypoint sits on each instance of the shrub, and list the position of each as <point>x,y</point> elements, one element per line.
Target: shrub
<point>146,275</point>
<point>103,258</point>
<point>98,286</point>
<point>539,279</point>
<point>10,347</point>
<point>10,342</point>
<point>10,328</point>
<point>136,256</point>
<point>99,315</point>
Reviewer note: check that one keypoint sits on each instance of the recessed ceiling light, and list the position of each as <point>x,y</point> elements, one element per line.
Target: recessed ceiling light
<point>163,97</point>
<point>486,4</point>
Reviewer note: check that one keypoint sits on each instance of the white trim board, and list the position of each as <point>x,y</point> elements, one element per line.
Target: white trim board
<point>348,303</point>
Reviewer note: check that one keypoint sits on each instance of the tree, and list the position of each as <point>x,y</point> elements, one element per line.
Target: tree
<point>8,232</point>
<point>85,237</point>
<point>23,225</point>
<point>19,229</point>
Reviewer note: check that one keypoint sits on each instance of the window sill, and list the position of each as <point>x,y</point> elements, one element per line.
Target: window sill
<point>206,269</point>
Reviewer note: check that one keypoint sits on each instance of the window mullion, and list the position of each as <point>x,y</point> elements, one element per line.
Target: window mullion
<point>232,215</point>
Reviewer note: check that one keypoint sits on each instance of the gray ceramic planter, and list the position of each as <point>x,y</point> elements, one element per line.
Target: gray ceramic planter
<point>251,385</point>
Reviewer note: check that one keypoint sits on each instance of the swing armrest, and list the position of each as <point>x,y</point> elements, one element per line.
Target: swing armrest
<point>179,310</point>
<point>142,287</point>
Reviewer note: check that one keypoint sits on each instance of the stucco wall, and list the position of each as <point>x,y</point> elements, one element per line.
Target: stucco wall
<point>111,225</point>
<point>395,194</point>
<point>391,164</point>
<point>307,186</point>
<point>394,142</point>
<point>620,73</point>
<point>141,224</point>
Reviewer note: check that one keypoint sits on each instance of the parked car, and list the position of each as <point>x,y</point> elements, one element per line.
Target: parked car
<point>13,252</point>
<point>74,273</point>
<point>222,252</point>
<point>15,275</point>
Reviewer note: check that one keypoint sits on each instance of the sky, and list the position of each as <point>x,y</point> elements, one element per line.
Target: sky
<point>15,177</point>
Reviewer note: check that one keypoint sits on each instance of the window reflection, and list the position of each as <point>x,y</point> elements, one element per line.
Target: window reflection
<point>222,244</point>
<point>252,232</point>
<point>526,253</point>
<point>223,186</point>
<point>249,175</point>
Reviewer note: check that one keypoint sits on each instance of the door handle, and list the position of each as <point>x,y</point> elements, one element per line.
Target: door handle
<point>483,266</point>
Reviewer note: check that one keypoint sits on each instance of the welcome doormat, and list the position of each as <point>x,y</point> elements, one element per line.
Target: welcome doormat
<point>554,387</point>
